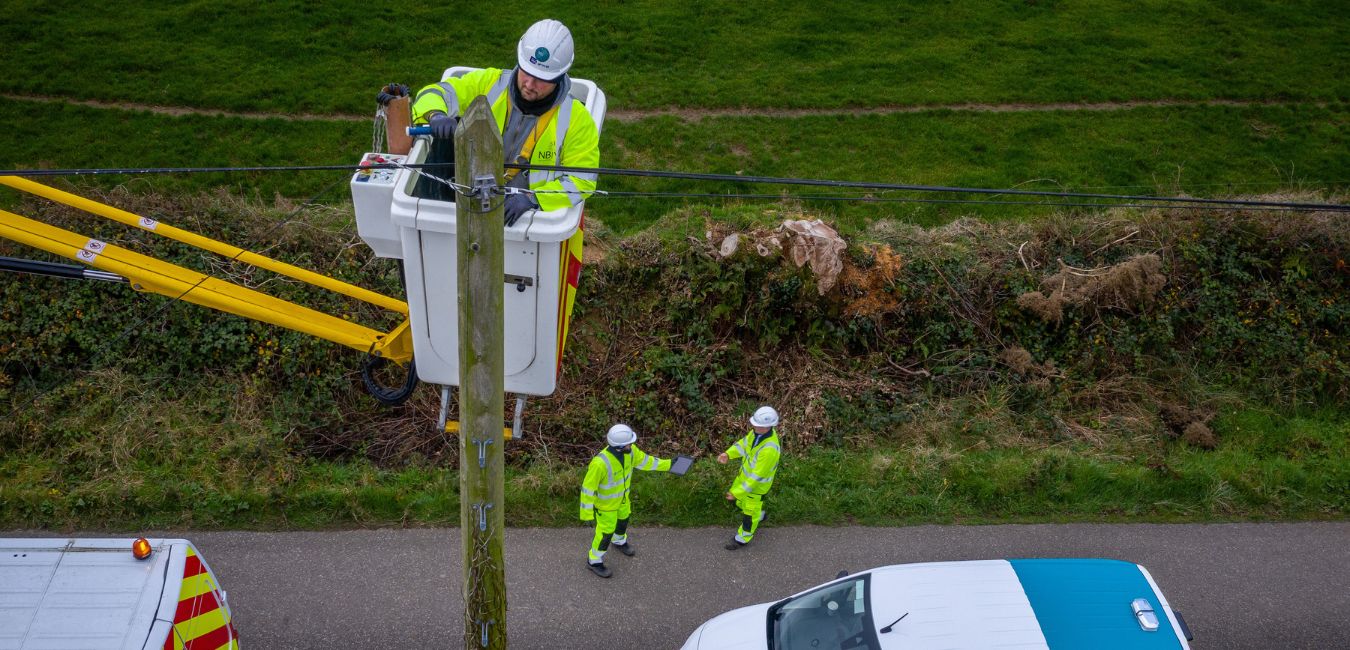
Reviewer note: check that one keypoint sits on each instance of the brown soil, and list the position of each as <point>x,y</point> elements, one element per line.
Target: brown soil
<point>868,289</point>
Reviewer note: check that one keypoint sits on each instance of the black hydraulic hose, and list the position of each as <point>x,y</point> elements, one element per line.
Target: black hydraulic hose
<point>55,270</point>
<point>382,394</point>
<point>372,363</point>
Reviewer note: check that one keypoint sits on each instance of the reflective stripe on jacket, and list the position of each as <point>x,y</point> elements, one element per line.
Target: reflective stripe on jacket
<point>573,127</point>
<point>609,477</point>
<point>759,463</point>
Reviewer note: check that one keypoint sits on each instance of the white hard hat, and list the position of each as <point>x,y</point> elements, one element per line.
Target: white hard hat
<point>764,416</point>
<point>545,51</point>
<point>620,435</point>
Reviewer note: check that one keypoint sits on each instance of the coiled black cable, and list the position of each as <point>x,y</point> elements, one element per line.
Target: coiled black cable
<point>383,394</point>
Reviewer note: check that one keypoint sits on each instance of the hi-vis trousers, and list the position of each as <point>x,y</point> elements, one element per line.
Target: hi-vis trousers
<point>752,512</point>
<point>610,526</point>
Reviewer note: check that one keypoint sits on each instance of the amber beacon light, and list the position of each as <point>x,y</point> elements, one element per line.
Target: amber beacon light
<point>141,548</point>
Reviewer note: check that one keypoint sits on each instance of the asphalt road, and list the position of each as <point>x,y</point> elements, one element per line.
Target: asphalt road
<point>1257,586</point>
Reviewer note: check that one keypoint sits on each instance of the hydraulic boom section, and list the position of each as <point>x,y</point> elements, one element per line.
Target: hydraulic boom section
<point>156,276</point>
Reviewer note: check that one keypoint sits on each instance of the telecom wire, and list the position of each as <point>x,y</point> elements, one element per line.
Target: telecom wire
<point>896,199</point>
<point>731,178</point>
<point>192,170</point>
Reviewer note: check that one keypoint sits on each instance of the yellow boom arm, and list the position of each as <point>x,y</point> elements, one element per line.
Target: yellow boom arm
<point>156,276</point>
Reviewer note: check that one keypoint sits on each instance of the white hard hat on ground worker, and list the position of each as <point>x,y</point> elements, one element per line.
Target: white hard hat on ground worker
<point>764,416</point>
<point>545,51</point>
<point>620,435</point>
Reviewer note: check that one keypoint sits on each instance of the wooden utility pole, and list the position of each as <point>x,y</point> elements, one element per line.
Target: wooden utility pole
<point>479,244</point>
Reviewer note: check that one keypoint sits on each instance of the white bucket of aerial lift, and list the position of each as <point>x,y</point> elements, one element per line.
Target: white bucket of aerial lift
<point>532,258</point>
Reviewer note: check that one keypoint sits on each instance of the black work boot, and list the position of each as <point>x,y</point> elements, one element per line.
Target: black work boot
<point>734,545</point>
<point>600,569</point>
<point>626,548</point>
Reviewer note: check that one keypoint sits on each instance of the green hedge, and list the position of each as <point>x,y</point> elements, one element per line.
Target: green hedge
<point>1086,315</point>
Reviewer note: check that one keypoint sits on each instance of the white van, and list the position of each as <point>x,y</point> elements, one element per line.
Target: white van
<point>120,594</point>
<point>1055,604</point>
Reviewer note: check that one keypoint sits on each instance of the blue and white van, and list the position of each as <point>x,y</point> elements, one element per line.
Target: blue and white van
<point>1025,604</point>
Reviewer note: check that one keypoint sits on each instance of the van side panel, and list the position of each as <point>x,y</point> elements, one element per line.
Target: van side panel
<point>162,634</point>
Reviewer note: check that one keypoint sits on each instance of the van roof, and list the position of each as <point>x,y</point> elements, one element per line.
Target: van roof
<point>84,593</point>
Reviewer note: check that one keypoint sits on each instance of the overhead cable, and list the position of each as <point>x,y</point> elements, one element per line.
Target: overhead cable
<point>898,199</point>
<point>733,178</point>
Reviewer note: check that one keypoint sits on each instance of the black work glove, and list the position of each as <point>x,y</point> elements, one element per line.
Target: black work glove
<point>443,126</point>
<point>391,92</point>
<point>516,205</point>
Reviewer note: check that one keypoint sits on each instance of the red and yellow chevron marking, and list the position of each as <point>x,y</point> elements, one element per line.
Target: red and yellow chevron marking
<point>200,622</point>
<point>569,274</point>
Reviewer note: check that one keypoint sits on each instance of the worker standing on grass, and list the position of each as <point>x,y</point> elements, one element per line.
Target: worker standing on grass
<point>604,493</point>
<point>540,122</point>
<point>759,452</point>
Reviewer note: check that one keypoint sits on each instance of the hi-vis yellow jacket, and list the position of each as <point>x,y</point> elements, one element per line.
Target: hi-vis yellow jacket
<point>758,465</point>
<point>571,140</point>
<point>609,477</point>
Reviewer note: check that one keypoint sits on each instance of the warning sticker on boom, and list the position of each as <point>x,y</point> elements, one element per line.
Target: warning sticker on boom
<point>91,250</point>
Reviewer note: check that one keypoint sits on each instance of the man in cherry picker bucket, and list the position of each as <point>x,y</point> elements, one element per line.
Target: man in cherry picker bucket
<point>540,122</point>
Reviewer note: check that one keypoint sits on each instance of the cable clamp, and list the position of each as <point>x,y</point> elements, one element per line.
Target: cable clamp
<point>483,188</point>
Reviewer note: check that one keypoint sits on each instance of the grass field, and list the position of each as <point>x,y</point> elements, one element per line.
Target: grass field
<point>330,57</point>
<point>1197,151</point>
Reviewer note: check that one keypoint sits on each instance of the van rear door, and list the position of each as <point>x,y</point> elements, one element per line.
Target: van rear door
<point>196,610</point>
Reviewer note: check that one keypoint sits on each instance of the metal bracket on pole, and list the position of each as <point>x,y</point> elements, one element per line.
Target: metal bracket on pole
<point>486,624</point>
<point>517,432</point>
<point>482,188</point>
<point>482,450</point>
<point>481,509</point>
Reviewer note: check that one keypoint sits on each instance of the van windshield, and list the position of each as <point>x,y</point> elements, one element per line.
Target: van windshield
<point>834,617</point>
